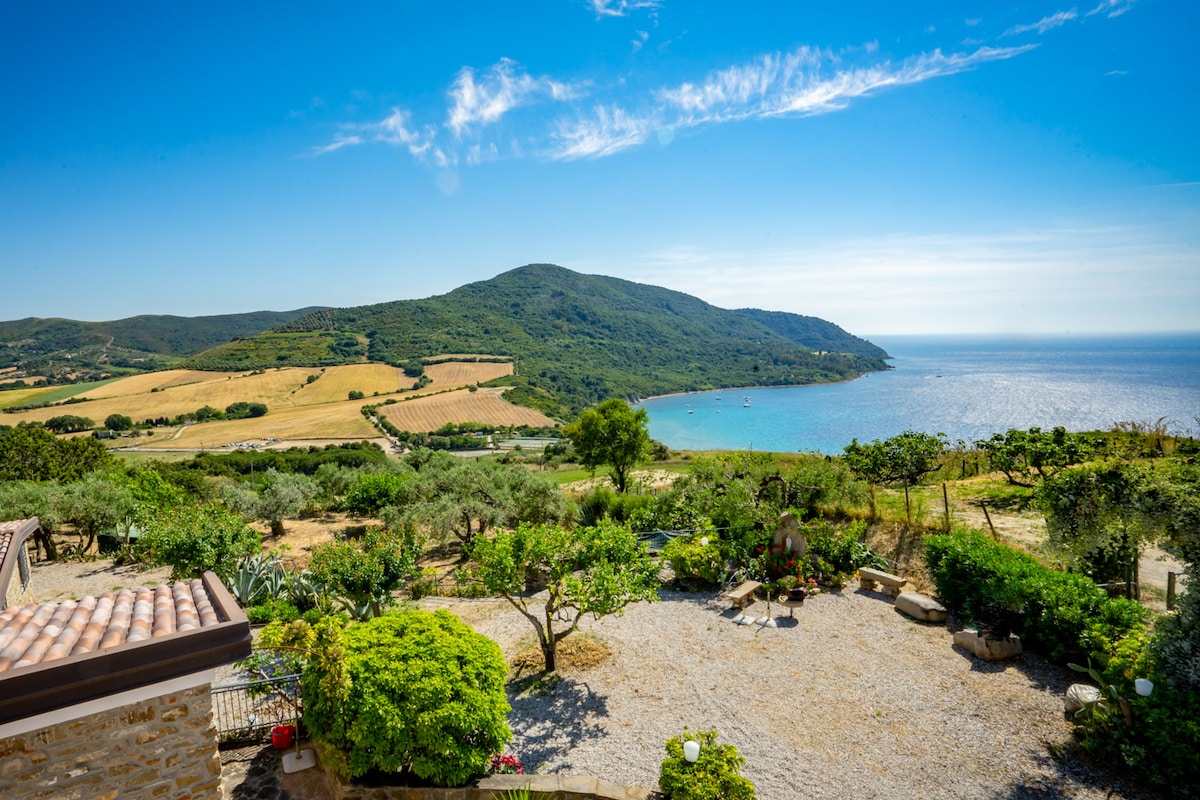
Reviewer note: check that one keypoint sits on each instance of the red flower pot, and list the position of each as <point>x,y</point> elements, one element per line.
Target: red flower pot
<point>282,735</point>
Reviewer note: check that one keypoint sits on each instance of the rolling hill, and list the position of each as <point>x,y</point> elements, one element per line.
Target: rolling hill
<point>57,347</point>
<point>576,339</point>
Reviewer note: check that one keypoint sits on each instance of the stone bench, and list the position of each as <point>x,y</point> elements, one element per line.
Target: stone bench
<point>868,578</point>
<point>743,594</point>
<point>920,607</point>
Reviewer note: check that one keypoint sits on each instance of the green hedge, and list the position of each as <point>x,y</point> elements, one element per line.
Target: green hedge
<point>1063,615</point>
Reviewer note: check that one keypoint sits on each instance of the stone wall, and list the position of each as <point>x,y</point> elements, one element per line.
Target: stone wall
<point>162,747</point>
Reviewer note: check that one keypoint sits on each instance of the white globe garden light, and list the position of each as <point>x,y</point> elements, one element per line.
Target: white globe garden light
<point>691,750</point>
<point>1143,687</point>
<point>704,541</point>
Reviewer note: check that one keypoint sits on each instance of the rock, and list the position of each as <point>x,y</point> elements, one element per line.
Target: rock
<point>1079,695</point>
<point>918,606</point>
<point>988,649</point>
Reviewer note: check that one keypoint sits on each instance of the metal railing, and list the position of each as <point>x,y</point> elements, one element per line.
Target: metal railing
<point>247,711</point>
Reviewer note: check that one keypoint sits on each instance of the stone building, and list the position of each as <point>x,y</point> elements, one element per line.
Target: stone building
<point>108,697</point>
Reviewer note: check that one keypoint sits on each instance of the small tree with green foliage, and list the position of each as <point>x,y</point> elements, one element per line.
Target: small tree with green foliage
<point>410,692</point>
<point>69,423</point>
<point>367,571</point>
<point>611,434</point>
<point>195,539</point>
<point>904,459</point>
<point>118,422</point>
<point>596,570</point>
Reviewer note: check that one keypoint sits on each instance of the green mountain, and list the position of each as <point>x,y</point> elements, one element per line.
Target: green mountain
<point>576,339</point>
<point>55,347</point>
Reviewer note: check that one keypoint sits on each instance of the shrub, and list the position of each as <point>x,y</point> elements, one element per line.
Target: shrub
<point>716,774</point>
<point>1065,616</point>
<point>410,691</point>
<point>277,610</point>
<point>193,539</point>
<point>372,492</point>
<point>696,563</point>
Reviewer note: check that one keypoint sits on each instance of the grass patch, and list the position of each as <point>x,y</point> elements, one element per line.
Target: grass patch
<point>578,652</point>
<point>71,390</point>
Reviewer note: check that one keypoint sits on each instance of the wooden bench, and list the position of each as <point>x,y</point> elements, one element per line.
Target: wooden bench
<point>892,584</point>
<point>743,594</point>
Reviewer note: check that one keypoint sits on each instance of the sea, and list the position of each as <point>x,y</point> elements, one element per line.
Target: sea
<point>966,387</point>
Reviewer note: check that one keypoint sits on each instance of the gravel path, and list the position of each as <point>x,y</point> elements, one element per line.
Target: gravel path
<point>851,699</point>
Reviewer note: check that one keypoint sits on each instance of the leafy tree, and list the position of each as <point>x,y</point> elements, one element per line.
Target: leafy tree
<point>284,495</point>
<point>96,503</point>
<point>243,410</point>
<point>1017,452</point>
<point>372,492</point>
<point>904,459</point>
<point>193,539</point>
<point>355,394</point>
<point>413,692</point>
<point>611,434</point>
<point>206,413</point>
<point>467,497</point>
<point>366,572</point>
<point>118,422</point>
<point>32,453</point>
<point>28,499</point>
<point>596,570</point>
<point>69,423</point>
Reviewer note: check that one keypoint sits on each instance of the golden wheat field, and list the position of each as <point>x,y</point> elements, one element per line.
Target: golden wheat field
<point>462,405</point>
<point>336,383</point>
<point>150,381</point>
<point>275,388</point>
<point>333,421</point>
<point>466,373</point>
<point>298,409</point>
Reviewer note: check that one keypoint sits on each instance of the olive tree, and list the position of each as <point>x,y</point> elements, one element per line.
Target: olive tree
<point>597,570</point>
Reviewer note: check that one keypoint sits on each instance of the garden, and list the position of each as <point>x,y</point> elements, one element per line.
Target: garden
<point>476,617</point>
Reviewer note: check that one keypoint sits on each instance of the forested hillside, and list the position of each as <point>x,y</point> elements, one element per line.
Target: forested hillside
<point>576,339</point>
<point>53,347</point>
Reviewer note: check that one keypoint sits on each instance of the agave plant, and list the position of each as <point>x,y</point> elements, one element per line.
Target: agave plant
<point>248,583</point>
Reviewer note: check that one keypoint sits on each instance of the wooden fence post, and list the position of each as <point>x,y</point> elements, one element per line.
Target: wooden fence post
<point>1170,590</point>
<point>988,517</point>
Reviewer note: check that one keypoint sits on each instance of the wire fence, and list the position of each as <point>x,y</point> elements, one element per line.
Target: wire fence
<point>247,711</point>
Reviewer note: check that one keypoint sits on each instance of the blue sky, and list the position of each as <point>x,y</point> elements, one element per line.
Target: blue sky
<point>891,167</point>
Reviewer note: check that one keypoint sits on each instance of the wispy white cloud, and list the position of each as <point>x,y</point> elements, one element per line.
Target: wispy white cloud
<point>505,86</point>
<point>642,37</point>
<point>804,82</point>
<point>794,83</point>
<point>1112,8</point>
<point>1113,72</point>
<point>606,131</point>
<point>1055,20</point>
<point>619,8</point>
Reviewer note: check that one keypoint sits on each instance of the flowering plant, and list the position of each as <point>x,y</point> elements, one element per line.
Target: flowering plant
<point>504,765</point>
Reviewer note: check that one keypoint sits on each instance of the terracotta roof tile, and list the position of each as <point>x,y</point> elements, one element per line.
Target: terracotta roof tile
<point>36,634</point>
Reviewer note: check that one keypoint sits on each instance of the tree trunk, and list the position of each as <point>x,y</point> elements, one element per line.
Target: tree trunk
<point>549,654</point>
<point>277,527</point>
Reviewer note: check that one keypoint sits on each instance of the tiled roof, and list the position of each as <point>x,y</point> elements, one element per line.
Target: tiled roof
<point>59,654</point>
<point>35,634</point>
<point>9,530</point>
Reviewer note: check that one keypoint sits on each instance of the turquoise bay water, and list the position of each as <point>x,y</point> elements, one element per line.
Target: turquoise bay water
<point>967,387</point>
